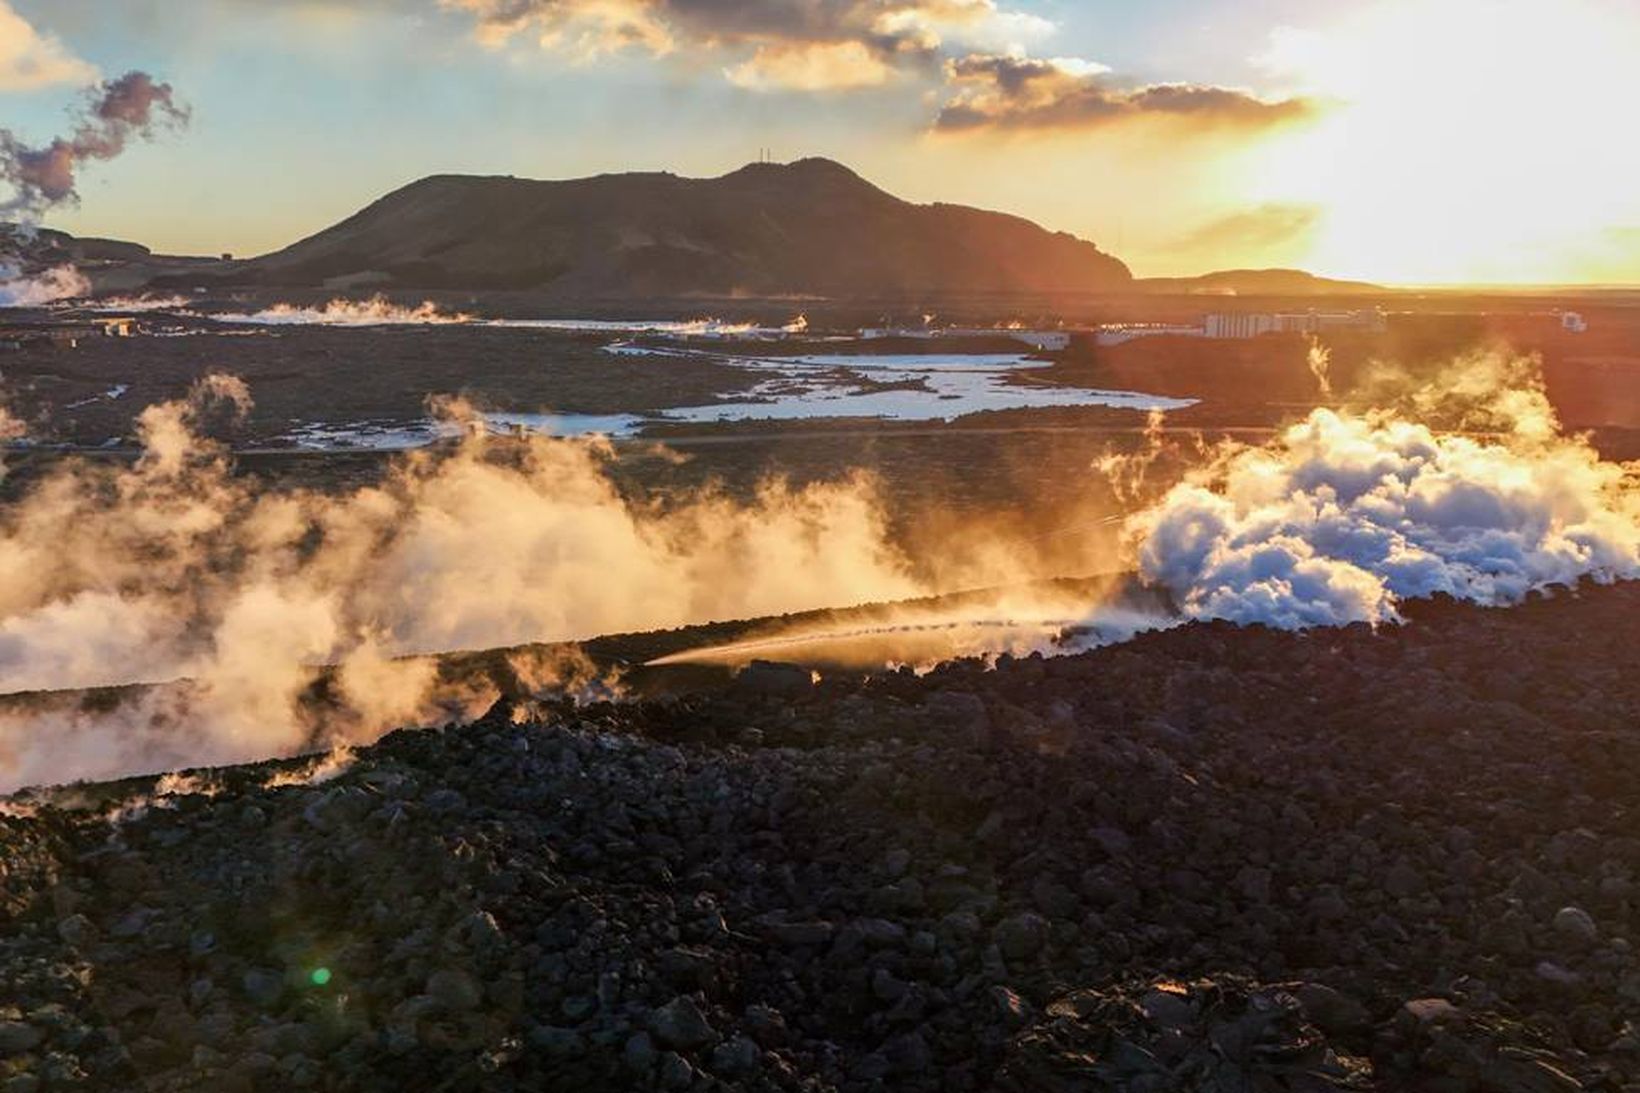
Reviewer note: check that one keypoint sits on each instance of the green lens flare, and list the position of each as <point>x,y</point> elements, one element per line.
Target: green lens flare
<point>320,976</point>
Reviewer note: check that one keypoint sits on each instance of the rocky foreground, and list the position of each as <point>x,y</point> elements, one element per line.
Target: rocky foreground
<point>1211,859</point>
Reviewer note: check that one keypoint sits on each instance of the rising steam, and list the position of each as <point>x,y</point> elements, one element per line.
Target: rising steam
<point>1319,358</point>
<point>130,108</point>
<point>43,178</point>
<point>239,602</point>
<point>58,283</point>
<point>144,303</point>
<point>1465,487</point>
<point>380,311</point>
<point>376,311</point>
<point>175,569</point>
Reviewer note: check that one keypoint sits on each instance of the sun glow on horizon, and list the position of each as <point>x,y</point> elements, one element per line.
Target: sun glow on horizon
<point>1468,141</point>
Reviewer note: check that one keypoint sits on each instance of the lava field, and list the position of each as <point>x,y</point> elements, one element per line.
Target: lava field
<point>1211,858</point>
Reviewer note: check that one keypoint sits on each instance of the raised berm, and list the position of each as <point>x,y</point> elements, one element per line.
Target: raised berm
<point>812,227</point>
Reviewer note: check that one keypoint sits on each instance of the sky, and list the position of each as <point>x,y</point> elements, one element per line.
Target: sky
<point>1402,141</point>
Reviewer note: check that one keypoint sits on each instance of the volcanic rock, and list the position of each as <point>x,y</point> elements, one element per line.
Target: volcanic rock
<point>1351,869</point>
<point>680,1024</point>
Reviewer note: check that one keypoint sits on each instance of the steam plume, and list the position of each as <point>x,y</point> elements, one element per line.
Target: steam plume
<point>141,303</point>
<point>1319,359</point>
<point>119,111</point>
<point>1348,513</point>
<point>58,283</point>
<point>376,311</point>
<point>174,569</point>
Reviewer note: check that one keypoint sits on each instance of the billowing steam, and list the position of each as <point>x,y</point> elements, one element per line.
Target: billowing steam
<point>1319,359</point>
<point>376,311</point>
<point>119,111</point>
<point>380,311</point>
<point>1467,487</point>
<point>240,603</point>
<point>58,283</point>
<point>175,569</point>
<point>43,178</point>
<point>136,304</point>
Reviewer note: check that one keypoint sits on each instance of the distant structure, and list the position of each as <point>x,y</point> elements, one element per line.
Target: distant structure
<point>1253,324</point>
<point>1045,341</point>
<point>1573,323</point>
<point>1118,333</point>
<point>1244,325</point>
<point>1239,325</point>
<point>18,336</point>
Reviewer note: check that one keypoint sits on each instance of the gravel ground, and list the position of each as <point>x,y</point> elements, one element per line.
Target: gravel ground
<point>1210,859</point>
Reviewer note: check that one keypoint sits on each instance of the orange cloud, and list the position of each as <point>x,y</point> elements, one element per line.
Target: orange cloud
<point>1010,92</point>
<point>1265,227</point>
<point>802,45</point>
<point>29,59</point>
<point>811,66</point>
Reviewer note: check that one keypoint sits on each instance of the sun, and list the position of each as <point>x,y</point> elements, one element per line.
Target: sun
<point>1465,141</point>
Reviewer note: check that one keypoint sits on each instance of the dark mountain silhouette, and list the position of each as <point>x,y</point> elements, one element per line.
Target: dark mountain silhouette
<point>1258,282</point>
<point>807,228</point>
<point>42,247</point>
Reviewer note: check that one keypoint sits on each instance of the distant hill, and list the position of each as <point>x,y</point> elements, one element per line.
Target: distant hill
<point>1256,282</point>
<point>49,247</point>
<point>110,265</point>
<point>812,227</point>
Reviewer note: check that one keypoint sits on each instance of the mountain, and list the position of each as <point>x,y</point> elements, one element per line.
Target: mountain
<point>812,227</point>
<point>110,265</point>
<point>1256,282</point>
<point>49,247</point>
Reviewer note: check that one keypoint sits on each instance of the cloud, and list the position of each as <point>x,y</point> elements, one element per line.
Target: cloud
<point>29,59</point>
<point>811,66</point>
<point>806,45</point>
<point>1012,92</point>
<point>1273,226</point>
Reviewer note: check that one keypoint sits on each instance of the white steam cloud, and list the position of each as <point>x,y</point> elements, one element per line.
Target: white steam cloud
<point>59,283</point>
<point>376,311</point>
<point>42,178</point>
<point>176,570</point>
<point>1348,513</point>
<point>380,311</point>
<point>145,303</point>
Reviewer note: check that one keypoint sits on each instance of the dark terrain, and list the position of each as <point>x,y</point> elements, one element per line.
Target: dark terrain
<point>1210,859</point>
<point>809,228</point>
<point>306,374</point>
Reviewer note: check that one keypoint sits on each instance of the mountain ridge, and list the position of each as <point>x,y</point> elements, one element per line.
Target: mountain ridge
<point>809,227</point>
<point>812,228</point>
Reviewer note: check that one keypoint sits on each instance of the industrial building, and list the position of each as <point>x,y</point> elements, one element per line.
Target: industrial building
<point>1242,325</point>
<point>1118,333</point>
<point>44,336</point>
<point>1046,341</point>
<point>1253,324</point>
<point>47,335</point>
